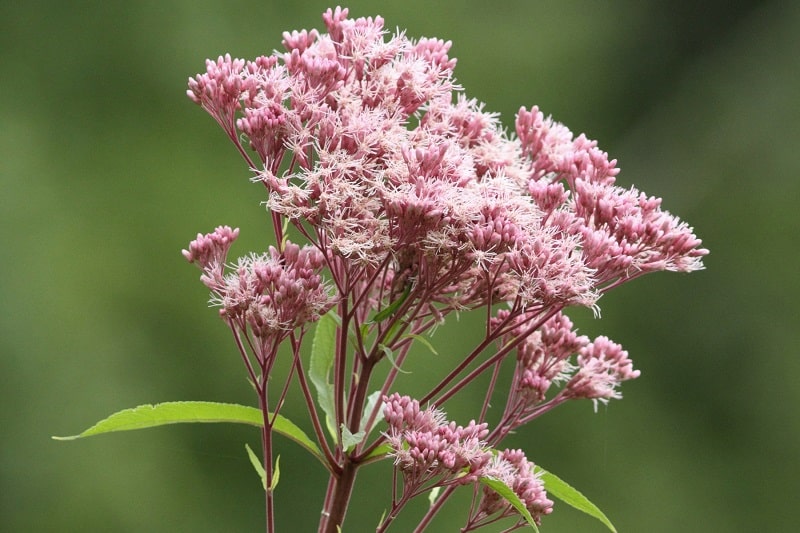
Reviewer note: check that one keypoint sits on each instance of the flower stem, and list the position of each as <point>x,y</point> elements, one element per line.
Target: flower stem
<point>426,520</point>
<point>266,442</point>
<point>342,489</point>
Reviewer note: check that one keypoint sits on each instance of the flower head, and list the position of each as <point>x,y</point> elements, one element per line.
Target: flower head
<point>210,252</point>
<point>272,293</point>
<point>443,197</point>
<point>544,358</point>
<point>426,446</point>
<point>602,366</point>
<point>518,473</point>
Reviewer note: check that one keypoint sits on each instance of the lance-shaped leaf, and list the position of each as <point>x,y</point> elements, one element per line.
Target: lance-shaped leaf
<point>379,452</point>
<point>390,309</point>
<point>256,462</point>
<point>558,488</point>
<point>322,351</point>
<point>276,474</point>
<point>147,416</point>
<point>511,497</point>
<point>372,400</point>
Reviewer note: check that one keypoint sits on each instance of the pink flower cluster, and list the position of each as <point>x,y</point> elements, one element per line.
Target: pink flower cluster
<point>416,202</point>
<point>427,447</point>
<point>431,451</point>
<point>270,294</point>
<point>396,171</point>
<point>545,358</point>
<point>602,365</point>
<point>516,471</point>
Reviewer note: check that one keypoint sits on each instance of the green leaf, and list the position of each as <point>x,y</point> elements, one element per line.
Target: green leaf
<point>558,488</point>
<point>349,440</point>
<point>381,451</point>
<point>424,341</point>
<point>390,333</point>
<point>389,310</point>
<point>289,429</point>
<point>276,474</point>
<point>285,232</point>
<point>254,460</point>
<point>372,399</point>
<point>433,494</point>
<point>147,416</point>
<point>511,497</point>
<point>322,350</point>
<point>390,356</point>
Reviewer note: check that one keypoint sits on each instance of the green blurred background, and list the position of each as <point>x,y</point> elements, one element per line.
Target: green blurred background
<point>107,171</point>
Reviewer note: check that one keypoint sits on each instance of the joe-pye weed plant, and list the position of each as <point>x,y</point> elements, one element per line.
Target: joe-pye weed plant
<point>397,202</point>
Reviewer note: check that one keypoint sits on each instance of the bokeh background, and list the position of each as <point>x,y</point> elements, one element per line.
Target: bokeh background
<point>107,171</point>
